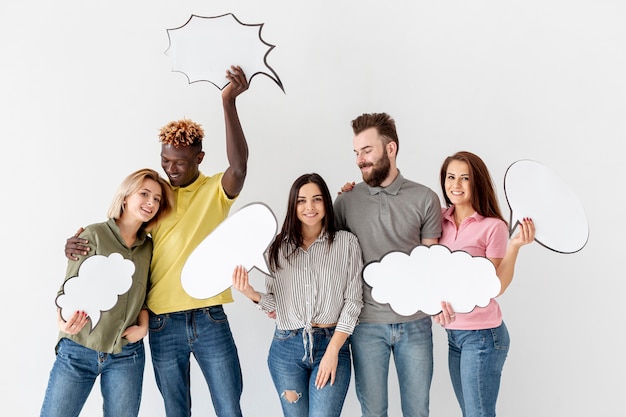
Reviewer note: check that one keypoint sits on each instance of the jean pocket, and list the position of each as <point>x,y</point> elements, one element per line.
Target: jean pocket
<point>281,335</point>
<point>216,314</point>
<point>156,323</point>
<point>500,336</point>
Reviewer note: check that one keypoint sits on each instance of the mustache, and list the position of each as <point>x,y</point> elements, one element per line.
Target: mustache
<point>366,164</point>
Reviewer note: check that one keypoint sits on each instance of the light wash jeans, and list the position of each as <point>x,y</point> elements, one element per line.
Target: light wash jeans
<point>205,332</point>
<point>294,370</point>
<point>476,359</point>
<point>412,346</point>
<point>75,371</point>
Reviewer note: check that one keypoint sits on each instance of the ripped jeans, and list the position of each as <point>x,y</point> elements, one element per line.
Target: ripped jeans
<point>294,369</point>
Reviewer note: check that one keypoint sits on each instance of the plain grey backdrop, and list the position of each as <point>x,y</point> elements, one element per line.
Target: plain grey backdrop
<point>85,85</point>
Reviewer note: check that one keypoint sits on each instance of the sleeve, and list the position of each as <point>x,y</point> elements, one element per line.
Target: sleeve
<point>353,295</point>
<point>431,226</point>
<point>73,266</point>
<point>497,241</point>
<point>268,302</point>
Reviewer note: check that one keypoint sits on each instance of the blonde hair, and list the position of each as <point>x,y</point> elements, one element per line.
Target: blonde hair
<point>131,184</point>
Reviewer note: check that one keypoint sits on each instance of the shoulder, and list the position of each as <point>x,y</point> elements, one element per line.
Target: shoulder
<point>345,236</point>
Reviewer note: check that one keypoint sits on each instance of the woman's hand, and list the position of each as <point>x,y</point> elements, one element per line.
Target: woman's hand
<point>242,284</point>
<point>135,333</point>
<point>346,187</point>
<point>327,369</point>
<point>526,233</point>
<point>75,323</point>
<point>446,316</point>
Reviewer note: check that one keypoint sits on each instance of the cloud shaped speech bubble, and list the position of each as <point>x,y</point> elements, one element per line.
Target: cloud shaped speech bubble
<point>96,288</point>
<point>429,275</point>
<point>205,47</point>
<point>241,239</point>
<point>532,190</point>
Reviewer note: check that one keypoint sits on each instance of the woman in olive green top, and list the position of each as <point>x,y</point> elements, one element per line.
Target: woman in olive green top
<point>112,345</point>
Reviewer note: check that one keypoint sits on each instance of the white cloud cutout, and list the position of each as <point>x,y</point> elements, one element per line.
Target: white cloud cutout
<point>429,275</point>
<point>96,288</point>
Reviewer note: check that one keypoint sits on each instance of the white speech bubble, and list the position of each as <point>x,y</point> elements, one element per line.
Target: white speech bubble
<point>241,239</point>
<point>429,275</point>
<point>96,288</point>
<point>532,190</point>
<point>205,47</point>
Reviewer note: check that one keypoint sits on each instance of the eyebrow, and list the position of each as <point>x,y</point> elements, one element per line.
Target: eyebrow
<point>316,195</point>
<point>363,148</point>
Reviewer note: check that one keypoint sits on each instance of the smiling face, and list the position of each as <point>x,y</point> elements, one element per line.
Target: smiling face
<point>372,157</point>
<point>457,183</point>
<point>144,204</point>
<point>310,205</point>
<point>180,164</point>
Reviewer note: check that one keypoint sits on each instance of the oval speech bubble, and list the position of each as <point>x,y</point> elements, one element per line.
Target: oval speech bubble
<point>532,190</point>
<point>241,239</point>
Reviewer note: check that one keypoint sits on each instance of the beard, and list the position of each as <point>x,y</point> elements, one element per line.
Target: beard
<point>380,171</point>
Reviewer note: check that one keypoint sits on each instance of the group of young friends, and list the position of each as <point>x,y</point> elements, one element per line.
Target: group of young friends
<point>326,319</point>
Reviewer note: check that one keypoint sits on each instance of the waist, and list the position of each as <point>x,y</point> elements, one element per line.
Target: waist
<point>323,325</point>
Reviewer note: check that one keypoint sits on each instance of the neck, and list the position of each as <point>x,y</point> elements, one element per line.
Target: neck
<point>310,234</point>
<point>128,230</point>
<point>462,212</point>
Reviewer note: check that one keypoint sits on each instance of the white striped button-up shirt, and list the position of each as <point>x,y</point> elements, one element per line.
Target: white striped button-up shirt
<point>320,285</point>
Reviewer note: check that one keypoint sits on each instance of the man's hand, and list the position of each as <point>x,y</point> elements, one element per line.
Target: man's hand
<point>238,83</point>
<point>76,246</point>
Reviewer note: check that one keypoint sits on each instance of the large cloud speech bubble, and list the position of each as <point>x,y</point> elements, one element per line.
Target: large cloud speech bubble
<point>429,275</point>
<point>241,239</point>
<point>96,288</point>
<point>532,190</point>
<point>205,47</point>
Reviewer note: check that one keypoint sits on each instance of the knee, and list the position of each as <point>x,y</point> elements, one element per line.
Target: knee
<point>291,396</point>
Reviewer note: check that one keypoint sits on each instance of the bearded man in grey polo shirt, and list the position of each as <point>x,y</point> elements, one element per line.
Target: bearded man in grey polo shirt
<point>388,213</point>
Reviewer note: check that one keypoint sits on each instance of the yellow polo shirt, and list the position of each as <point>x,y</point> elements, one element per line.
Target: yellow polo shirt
<point>198,209</point>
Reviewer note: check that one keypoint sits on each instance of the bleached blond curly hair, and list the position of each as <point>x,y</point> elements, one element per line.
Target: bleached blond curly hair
<point>183,132</point>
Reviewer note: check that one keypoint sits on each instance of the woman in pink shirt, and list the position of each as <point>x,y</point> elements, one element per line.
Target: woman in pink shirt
<point>472,222</point>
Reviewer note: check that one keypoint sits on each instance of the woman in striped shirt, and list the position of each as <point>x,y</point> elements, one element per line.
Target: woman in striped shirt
<point>316,292</point>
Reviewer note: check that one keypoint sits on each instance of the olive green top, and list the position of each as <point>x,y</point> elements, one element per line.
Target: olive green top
<point>105,239</point>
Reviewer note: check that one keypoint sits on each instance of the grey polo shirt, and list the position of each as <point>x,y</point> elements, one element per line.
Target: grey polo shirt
<point>393,218</point>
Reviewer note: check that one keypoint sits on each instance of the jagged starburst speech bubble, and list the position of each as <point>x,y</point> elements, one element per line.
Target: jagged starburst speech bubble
<point>205,47</point>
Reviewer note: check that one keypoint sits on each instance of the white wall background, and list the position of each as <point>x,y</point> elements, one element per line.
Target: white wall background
<point>85,85</point>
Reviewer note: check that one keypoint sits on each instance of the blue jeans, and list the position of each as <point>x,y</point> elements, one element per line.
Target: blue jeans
<point>75,371</point>
<point>476,359</point>
<point>205,333</point>
<point>294,369</point>
<point>412,347</point>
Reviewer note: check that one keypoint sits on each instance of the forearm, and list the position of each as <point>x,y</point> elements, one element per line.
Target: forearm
<point>336,342</point>
<point>236,149</point>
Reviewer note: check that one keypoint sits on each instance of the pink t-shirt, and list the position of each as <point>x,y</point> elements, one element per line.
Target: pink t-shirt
<point>479,236</point>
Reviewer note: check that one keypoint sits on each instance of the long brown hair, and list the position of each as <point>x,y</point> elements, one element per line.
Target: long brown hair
<point>291,232</point>
<point>483,199</point>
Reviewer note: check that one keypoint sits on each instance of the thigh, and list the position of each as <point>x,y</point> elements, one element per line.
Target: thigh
<point>328,401</point>
<point>371,350</point>
<point>214,349</point>
<point>73,374</point>
<point>169,348</point>
<point>483,354</point>
<point>290,371</point>
<point>121,381</point>
<point>413,357</point>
